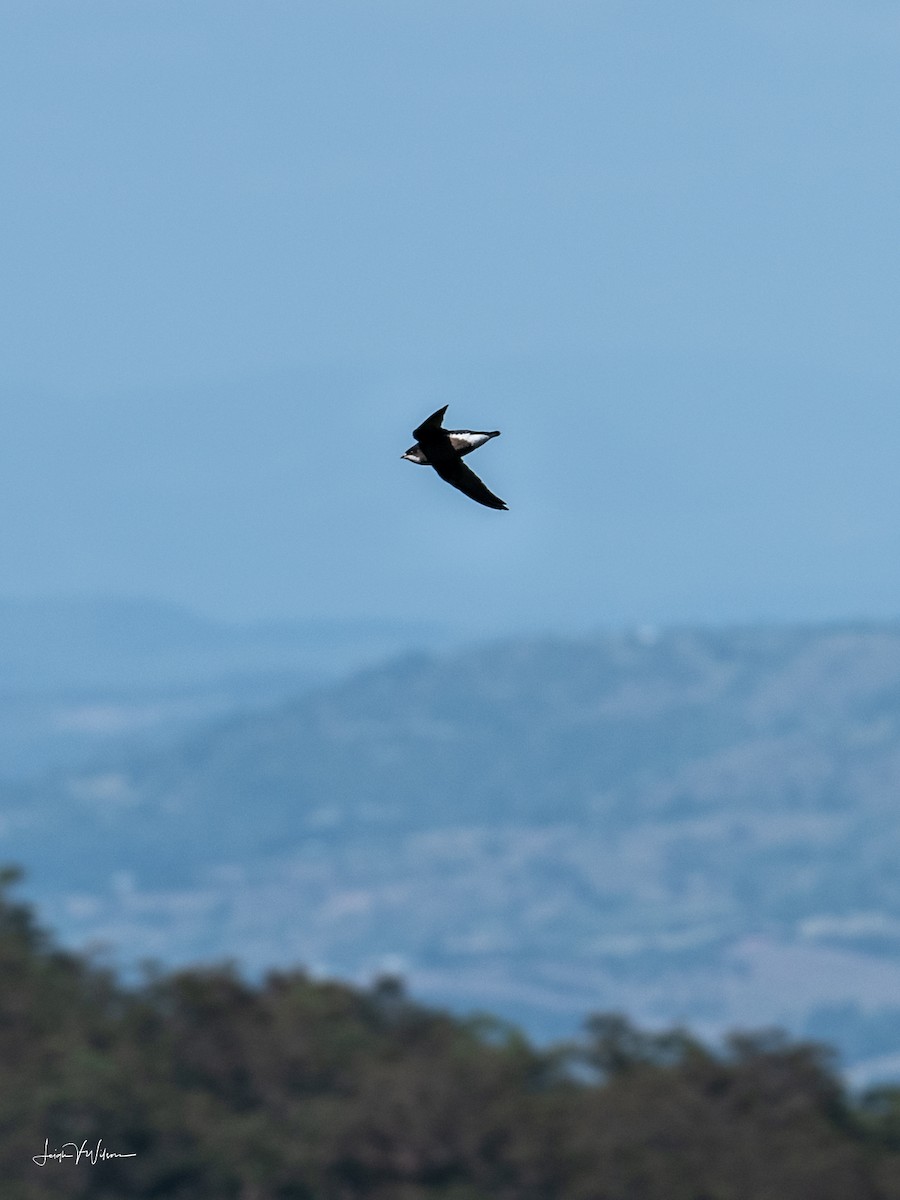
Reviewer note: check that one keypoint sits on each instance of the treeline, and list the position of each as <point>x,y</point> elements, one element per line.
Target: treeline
<point>294,1089</point>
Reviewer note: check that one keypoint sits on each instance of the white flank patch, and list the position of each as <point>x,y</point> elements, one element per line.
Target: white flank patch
<point>466,439</point>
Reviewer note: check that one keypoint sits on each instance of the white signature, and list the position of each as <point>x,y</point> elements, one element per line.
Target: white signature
<point>95,1154</point>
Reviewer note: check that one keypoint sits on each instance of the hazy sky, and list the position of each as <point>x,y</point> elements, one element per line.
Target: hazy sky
<point>247,246</point>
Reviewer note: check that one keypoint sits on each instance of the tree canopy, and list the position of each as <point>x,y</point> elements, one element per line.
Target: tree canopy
<point>296,1089</point>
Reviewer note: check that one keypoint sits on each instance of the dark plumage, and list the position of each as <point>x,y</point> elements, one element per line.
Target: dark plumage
<point>443,449</point>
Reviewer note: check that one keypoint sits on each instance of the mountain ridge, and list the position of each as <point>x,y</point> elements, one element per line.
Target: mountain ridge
<point>695,824</point>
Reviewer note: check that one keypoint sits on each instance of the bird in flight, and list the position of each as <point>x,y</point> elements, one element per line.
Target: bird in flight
<point>443,449</point>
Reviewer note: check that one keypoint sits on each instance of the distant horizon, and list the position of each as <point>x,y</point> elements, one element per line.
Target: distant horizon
<point>380,621</point>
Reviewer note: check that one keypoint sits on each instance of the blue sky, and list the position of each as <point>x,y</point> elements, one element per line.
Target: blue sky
<point>248,246</point>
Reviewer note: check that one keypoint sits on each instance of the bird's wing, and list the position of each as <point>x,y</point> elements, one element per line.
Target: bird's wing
<point>431,425</point>
<point>455,472</point>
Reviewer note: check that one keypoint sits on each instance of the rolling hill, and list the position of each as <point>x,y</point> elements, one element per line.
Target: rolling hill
<point>696,825</point>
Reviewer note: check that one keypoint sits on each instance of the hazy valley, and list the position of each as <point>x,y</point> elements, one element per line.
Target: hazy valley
<point>696,825</point>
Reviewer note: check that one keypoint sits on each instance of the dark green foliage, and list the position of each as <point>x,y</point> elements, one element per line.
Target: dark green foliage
<point>292,1089</point>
